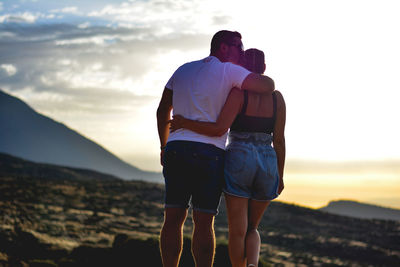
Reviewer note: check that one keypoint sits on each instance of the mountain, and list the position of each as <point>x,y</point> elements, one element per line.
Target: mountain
<point>60,216</point>
<point>32,136</point>
<point>361,210</point>
<point>11,166</point>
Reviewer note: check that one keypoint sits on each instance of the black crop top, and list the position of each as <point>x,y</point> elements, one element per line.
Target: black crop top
<point>245,123</point>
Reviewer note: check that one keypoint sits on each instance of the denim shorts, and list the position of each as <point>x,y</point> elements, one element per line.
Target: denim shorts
<point>193,172</point>
<point>251,168</point>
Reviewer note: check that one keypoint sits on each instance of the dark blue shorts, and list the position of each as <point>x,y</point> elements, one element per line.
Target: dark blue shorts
<point>193,171</point>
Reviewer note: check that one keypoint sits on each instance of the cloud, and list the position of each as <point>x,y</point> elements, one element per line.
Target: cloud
<point>96,40</point>
<point>221,20</point>
<point>9,69</point>
<point>84,101</point>
<point>4,35</point>
<point>25,17</point>
<point>78,64</point>
<point>164,16</point>
<point>66,10</point>
<point>84,25</point>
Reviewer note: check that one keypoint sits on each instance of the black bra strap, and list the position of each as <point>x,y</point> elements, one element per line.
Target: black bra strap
<point>245,100</point>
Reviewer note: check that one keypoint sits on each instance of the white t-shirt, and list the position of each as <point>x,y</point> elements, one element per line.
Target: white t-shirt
<point>200,89</point>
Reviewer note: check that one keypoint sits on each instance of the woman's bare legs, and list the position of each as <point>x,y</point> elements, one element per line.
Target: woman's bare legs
<point>253,241</point>
<point>237,209</point>
<point>244,216</point>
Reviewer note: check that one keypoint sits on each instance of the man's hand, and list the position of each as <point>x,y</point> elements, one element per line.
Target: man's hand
<point>162,157</point>
<point>176,123</point>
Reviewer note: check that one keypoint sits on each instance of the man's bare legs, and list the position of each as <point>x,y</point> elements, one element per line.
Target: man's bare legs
<point>237,209</point>
<point>171,238</point>
<point>253,241</point>
<point>203,240</point>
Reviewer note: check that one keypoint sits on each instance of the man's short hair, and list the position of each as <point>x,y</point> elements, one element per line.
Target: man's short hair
<point>224,36</point>
<point>254,60</point>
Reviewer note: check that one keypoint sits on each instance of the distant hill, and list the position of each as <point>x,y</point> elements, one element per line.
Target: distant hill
<point>361,210</point>
<point>32,136</point>
<point>11,166</point>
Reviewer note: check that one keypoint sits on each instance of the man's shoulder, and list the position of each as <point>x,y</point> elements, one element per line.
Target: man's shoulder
<point>194,62</point>
<point>212,60</point>
<point>189,65</point>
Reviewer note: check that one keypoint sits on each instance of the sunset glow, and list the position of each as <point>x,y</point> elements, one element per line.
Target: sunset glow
<point>100,68</point>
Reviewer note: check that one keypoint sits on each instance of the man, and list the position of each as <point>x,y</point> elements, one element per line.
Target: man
<point>193,163</point>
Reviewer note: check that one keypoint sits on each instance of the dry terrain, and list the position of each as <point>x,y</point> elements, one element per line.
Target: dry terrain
<point>57,216</point>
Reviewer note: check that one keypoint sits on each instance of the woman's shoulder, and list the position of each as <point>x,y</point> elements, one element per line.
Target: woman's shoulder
<point>279,99</point>
<point>277,93</point>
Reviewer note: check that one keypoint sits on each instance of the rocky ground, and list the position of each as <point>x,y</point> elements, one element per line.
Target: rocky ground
<point>57,216</point>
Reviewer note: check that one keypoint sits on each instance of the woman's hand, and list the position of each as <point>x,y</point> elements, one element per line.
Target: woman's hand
<point>177,122</point>
<point>281,186</point>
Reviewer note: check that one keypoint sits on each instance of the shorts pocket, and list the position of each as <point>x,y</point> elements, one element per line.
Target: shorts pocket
<point>169,156</point>
<point>271,163</point>
<point>235,159</point>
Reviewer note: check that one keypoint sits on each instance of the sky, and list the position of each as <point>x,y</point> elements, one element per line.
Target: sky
<point>100,68</point>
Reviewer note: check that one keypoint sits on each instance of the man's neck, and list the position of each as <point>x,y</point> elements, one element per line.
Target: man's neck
<point>220,57</point>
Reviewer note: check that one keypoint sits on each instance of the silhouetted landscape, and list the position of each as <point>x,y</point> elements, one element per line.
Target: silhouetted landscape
<point>60,216</point>
<point>361,210</point>
<point>33,136</point>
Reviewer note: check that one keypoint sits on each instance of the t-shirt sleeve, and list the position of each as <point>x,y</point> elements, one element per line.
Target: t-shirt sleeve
<point>237,75</point>
<point>170,82</point>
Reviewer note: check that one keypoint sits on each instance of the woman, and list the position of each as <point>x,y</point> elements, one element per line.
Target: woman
<point>253,168</point>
